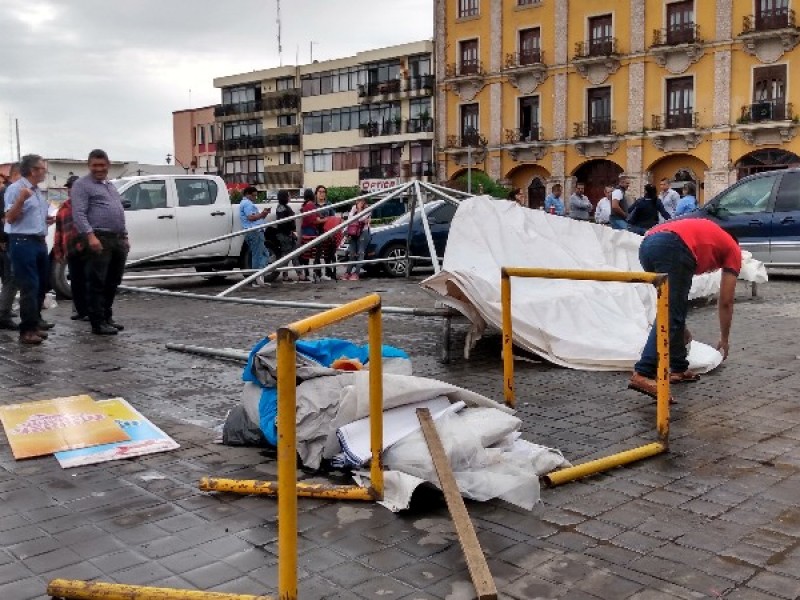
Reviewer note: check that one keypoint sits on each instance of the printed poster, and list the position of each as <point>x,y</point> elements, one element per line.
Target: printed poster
<point>145,438</point>
<point>47,426</point>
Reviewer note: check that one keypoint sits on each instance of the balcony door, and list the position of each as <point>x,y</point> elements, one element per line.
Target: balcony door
<point>529,46</point>
<point>599,111</point>
<point>468,59</point>
<point>772,14</point>
<point>680,103</point>
<point>600,36</point>
<point>769,93</point>
<point>529,119</point>
<point>469,124</point>
<point>680,22</point>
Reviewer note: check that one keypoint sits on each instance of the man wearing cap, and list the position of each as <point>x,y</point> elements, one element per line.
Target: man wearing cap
<point>98,215</point>
<point>26,225</point>
<point>69,247</point>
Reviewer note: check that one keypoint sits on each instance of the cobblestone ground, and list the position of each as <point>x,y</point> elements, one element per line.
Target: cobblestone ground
<point>716,518</point>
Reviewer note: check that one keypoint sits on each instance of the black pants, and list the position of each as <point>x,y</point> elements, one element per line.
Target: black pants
<point>326,252</point>
<point>77,283</point>
<point>103,272</point>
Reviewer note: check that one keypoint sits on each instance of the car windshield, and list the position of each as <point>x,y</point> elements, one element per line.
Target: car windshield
<point>403,219</point>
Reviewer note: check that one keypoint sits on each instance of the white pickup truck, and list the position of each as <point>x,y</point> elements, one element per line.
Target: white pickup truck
<point>167,212</point>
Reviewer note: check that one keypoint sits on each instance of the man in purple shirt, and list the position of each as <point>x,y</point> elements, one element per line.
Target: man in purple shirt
<point>98,214</point>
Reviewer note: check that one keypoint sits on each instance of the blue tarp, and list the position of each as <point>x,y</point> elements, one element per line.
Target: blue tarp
<point>323,351</point>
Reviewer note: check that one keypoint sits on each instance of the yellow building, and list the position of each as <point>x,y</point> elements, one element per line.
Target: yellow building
<point>567,91</point>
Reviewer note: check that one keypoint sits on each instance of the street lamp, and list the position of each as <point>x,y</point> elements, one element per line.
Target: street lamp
<point>473,140</point>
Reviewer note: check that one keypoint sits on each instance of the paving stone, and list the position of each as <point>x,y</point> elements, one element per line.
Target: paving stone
<point>29,588</point>
<point>211,575</point>
<point>421,574</point>
<point>382,587</point>
<point>778,585</point>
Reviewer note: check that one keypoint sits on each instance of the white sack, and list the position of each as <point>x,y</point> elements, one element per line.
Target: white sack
<point>577,324</point>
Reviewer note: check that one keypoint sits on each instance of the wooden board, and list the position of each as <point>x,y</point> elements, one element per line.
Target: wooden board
<point>476,561</point>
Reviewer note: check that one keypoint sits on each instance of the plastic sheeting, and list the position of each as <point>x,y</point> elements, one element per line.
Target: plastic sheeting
<point>577,324</point>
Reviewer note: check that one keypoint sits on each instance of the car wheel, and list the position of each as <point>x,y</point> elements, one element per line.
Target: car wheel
<point>59,279</point>
<point>397,266</point>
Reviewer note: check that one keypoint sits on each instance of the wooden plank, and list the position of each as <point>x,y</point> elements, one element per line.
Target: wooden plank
<point>476,561</point>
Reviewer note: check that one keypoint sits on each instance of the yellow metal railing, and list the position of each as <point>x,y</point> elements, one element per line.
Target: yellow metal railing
<point>662,372</point>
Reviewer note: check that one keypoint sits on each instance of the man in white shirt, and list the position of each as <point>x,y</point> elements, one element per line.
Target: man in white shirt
<point>619,204</point>
<point>669,197</point>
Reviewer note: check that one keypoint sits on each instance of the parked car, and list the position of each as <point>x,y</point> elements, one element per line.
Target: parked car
<point>389,241</point>
<point>763,212</point>
<point>167,212</point>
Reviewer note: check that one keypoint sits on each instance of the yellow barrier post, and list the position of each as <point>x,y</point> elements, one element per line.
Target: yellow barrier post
<point>375,325</point>
<point>662,371</point>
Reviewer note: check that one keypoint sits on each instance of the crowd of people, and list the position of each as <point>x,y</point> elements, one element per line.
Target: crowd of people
<point>90,237</point>
<point>617,208</point>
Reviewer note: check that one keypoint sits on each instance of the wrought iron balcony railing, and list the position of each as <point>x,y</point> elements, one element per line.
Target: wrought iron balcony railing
<point>685,33</point>
<point>465,68</point>
<point>767,110</point>
<point>595,127</point>
<point>769,19</point>
<point>378,172</point>
<point>596,47</point>
<point>679,119</point>
<point>524,58</point>
<point>240,108</point>
<point>419,125</point>
<point>375,128</point>
<point>524,135</point>
<point>469,139</point>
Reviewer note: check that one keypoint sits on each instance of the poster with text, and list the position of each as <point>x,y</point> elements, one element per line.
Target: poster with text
<point>145,438</point>
<point>47,426</point>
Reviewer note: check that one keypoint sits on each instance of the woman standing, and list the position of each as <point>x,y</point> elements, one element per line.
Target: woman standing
<point>326,251</point>
<point>358,232</point>
<point>644,213</point>
<point>308,232</point>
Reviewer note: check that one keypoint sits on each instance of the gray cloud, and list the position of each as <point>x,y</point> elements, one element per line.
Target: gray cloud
<point>80,74</point>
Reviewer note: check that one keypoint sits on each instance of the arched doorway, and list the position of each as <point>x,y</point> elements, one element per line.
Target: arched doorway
<point>536,193</point>
<point>679,169</point>
<point>595,175</point>
<point>769,159</point>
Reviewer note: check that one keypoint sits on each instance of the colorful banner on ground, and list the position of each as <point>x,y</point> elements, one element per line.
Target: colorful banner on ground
<point>47,426</point>
<point>145,438</point>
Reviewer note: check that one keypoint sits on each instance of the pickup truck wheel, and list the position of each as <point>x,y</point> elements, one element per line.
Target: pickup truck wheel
<point>396,268</point>
<point>59,279</point>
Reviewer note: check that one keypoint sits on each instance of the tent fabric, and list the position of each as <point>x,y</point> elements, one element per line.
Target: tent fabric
<point>577,324</point>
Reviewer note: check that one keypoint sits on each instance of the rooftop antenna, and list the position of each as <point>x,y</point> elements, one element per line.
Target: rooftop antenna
<point>280,48</point>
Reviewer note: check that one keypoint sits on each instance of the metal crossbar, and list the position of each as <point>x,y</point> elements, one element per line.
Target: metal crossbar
<point>662,371</point>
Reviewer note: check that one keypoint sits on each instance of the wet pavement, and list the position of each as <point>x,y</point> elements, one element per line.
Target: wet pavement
<point>718,517</point>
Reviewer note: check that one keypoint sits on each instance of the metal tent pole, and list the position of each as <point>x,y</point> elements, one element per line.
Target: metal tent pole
<point>426,226</point>
<point>410,233</point>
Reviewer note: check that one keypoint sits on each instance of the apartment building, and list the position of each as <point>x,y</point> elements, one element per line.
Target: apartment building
<point>362,120</point>
<point>195,135</point>
<point>557,91</point>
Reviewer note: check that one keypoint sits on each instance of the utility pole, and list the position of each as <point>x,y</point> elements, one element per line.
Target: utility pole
<point>280,47</point>
<point>311,52</point>
<point>16,121</point>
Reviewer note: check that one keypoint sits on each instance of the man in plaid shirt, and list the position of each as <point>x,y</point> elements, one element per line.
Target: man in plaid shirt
<point>68,246</point>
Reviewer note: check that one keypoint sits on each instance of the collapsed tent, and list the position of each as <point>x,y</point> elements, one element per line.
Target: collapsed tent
<point>577,324</point>
<point>481,437</point>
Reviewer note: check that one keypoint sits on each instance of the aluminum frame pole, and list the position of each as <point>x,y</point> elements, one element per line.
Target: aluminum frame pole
<point>442,195</point>
<point>409,234</point>
<point>442,188</point>
<point>315,242</point>
<point>246,231</point>
<point>426,226</point>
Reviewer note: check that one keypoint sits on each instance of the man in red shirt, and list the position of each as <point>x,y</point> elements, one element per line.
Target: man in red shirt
<point>681,249</point>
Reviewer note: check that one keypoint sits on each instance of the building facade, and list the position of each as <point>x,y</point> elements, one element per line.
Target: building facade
<point>363,120</point>
<point>539,92</point>
<point>195,134</point>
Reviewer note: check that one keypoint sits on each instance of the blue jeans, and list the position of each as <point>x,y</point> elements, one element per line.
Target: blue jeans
<point>617,222</point>
<point>258,251</point>
<point>30,265</point>
<point>357,248</point>
<point>666,253</point>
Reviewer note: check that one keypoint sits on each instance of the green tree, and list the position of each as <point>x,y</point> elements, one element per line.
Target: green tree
<point>337,194</point>
<point>480,181</point>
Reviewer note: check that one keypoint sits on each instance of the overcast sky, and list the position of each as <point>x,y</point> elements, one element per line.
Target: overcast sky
<point>80,74</point>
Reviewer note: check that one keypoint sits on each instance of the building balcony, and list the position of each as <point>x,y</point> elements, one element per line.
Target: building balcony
<point>241,110</point>
<point>419,170</point>
<point>395,89</point>
<point>526,144</point>
<point>525,70</point>
<point>767,123</point>
<point>282,142</point>
<point>284,175</point>
<point>244,178</point>
<point>244,144</point>
<point>596,59</point>
<point>379,172</point>
<point>286,101</point>
<point>676,131</point>
<point>375,128</point>
<point>770,33</point>
<point>595,138</point>
<point>467,148</point>
<point>419,125</point>
<point>678,47</point>
<point>466,78</point>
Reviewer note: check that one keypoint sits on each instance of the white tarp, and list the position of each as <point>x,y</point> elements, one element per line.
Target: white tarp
<point>577,324</point>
